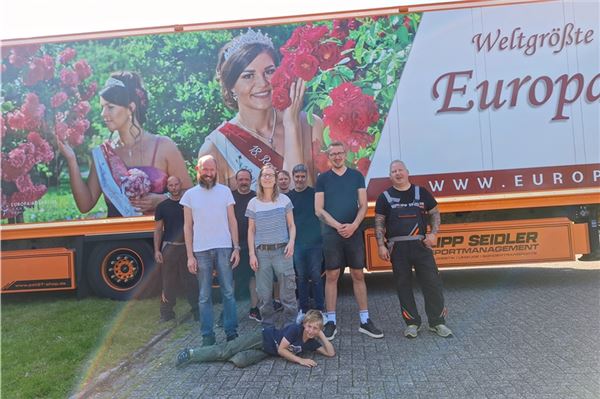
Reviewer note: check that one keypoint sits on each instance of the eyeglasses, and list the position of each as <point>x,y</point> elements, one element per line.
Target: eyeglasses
<point>336,154</point>
<point>268,175</point>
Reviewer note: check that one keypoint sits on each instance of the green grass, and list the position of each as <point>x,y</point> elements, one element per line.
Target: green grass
<point>53,342</point>
<point>58,205</point>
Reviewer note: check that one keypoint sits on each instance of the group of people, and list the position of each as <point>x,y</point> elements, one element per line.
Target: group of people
<point>257,238</point>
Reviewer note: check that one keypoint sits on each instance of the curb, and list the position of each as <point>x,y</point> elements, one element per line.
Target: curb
<point>105,376</point>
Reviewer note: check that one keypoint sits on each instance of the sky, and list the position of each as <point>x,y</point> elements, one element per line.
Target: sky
<point>21,19</point>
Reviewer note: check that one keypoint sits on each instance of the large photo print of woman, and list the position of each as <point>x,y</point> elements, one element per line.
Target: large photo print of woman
<point>249,96</point>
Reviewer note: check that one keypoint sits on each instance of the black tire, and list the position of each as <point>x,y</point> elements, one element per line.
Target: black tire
<point>121,269</point>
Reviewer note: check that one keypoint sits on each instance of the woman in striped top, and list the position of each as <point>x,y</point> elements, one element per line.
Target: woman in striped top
<point>271,235</point>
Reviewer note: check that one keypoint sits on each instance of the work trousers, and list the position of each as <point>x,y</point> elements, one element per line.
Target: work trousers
<point>406,255</point>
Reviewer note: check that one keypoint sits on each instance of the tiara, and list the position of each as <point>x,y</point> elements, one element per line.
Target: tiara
<point>112,82</point>
<point>250,37</point>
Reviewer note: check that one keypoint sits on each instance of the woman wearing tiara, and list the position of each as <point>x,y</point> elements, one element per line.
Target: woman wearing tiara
<point>132,170</point>
<point>258,134</point>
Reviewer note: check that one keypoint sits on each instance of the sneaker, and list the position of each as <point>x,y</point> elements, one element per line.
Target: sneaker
<point>254,314</point>
<point>441,330</point>
<point>300,317</point>
<point>277,306</point>
<point>370,329</point>
<point>411,331</point>
<point>330,330</point>
<point>183,358</point>
<point>208,340</point>
<point>232,337</point>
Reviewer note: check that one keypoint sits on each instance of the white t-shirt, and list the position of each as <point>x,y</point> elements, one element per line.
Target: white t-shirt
<point>209,212</point>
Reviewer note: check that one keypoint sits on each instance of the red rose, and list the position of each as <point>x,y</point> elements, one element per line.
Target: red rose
<point>407,24</point>
<point>340,29</point>
<point>67,55</point>
<point>363,166</point>
<point>364,113</point>
<point>58,99</point>
<point>320,159</point>
<point>291,45</point>
<point>281,98</point>
<point>280,78</point>
<point>328,55</point>
<point>305,66</point>
<point>357,140</point>
<point>339,121</point>
<point>82,69</point>
<point>345,93</point>
<point>314,34</point>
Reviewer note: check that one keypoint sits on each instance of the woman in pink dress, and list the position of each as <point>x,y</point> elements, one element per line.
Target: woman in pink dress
<point>131,170</point>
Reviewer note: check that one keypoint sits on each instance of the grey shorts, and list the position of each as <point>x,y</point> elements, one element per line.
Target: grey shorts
<point>340,252</point>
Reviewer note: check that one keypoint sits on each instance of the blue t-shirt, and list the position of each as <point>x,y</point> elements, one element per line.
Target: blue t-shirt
<point>341,195</point>
<point>293,333</point>
<point>308,229</point>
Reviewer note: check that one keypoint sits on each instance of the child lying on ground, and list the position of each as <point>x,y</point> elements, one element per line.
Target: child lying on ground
<point>251,348</point>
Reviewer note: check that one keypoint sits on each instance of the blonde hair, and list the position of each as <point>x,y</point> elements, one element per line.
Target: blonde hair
<point>313,316</point>
<point>260,192</point>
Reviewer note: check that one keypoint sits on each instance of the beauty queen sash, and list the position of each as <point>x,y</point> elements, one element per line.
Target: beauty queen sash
<point>241,150</point>
<point>110,168</point>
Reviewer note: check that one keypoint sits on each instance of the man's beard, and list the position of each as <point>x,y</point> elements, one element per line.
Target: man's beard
<point>208,184</point>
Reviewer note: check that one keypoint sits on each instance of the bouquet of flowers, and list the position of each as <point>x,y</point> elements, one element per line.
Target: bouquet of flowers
<point>135,184</point>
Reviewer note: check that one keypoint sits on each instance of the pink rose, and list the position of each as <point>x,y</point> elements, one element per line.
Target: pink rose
<point>136,184</point>
<point>67,55</point>
<point>82,69</point>
<point>58,99</point>
<point>69,78</point>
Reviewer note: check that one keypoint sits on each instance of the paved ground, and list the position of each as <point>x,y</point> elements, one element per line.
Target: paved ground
<point>519,333</point>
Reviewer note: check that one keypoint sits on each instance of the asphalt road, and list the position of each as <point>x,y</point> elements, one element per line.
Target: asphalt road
<point>519,332</point>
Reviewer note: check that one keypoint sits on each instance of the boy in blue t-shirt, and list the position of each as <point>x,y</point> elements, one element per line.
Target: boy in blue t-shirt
<point>288,342</point>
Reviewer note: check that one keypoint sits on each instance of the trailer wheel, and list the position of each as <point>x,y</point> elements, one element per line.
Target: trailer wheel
<point>120,270</point>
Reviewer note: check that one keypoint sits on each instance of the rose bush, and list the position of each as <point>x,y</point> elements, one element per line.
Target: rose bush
<point>352,67</point>
<point>43,95</point>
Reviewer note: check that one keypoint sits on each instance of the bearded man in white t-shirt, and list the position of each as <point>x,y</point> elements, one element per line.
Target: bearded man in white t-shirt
<point>210,231</point>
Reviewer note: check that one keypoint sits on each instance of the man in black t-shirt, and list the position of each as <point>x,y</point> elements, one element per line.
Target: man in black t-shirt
<point>402,214</point>
<point>341,204</point>
<point>243,275</point>
<point>169,253</point>
<point>308,250</point>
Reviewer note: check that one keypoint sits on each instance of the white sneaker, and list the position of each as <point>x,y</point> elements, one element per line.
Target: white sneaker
<point>411,331</point>
<point>441,330</point>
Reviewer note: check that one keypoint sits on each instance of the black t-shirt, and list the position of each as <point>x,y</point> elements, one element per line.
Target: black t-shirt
<point>241,203</point>
<point>171,213</point>
<point>341,195</point>
<point>293,333</point>
<point>407,197</point>
<point>308,227</point>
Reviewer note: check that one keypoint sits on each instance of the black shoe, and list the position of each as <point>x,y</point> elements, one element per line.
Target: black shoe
<point>254,314</point>
<point>330,330</point>
<point>232,337</point>
<point>277,306</point>
<point>370,329</point>
<point>183,358</point>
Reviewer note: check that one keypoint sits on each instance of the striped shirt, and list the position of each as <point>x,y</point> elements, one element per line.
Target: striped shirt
<point>270,219</point>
